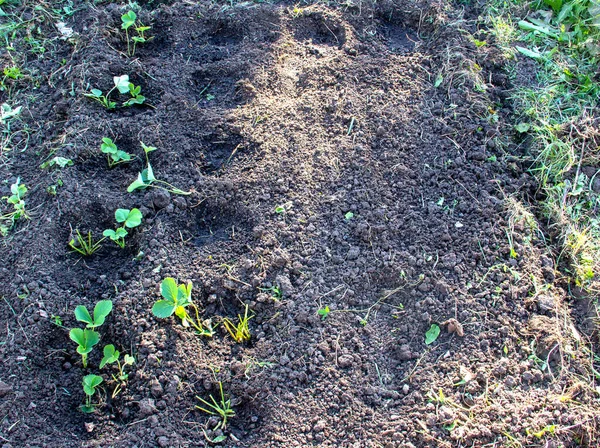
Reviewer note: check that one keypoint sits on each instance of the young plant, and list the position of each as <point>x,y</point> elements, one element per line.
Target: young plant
<point>130,219</point>
<point>110,357</point>
<point>222,408</point>
<point>128,20</point>
<point>101,310</point>
<point>240,332</point>
<point>18,191</point>
<point>113,154</point>
<point>123,85</point>
<point>175,301</point>
<point>85,340</point>
<point>84,245</point>
<point>90,383</point>
<point>146,178</point>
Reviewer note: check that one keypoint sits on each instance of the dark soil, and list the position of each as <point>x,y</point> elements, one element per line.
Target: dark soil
<point>323,111</point>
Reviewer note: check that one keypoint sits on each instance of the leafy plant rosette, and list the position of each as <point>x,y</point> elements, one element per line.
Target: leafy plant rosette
<point>130,219</point>
<point>176,300</point>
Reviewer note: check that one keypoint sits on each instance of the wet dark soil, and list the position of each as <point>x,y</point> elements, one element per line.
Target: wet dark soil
<point>322,160</point>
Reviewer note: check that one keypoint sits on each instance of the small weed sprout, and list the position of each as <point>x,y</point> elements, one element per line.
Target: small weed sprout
<point>222,408</point>
<point>176,298</point>
<point>114,155</point>
<point>147,179</point>
<point>84,245</point>
<point>129,20</point>
<point>130,219</point>
<point>18,191</point>
<point>90,383</point>
<point>240,332</point>
<point>324,312</point>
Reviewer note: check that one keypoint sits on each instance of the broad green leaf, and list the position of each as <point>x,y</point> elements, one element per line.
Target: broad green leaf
<point>134,218</point>
<point>556,5</point>
<point>168,289</point>
<point>77,336</point>
<point>101,310</point>
<point>121,232</point>
<point>96,93</point>
<point>522,127</point>
<point>137,184</point>
<point>122,155</point>
<point>180,313</point>
<point>86,339</point>
<point>108,146</point>
<point>163,308</point>
<point>438,80</point>
<point>110,234</point>
<point>90,382</point>
<point>530,53</point>
<point>147,149</point>
<point>184,293</point>
<point>121,214</point>
<point>432,334</point>
<point>83,315</point>
<point>122,83</point>
<point>128,19</point>
<point>110,355</point>
<point>128,359</point>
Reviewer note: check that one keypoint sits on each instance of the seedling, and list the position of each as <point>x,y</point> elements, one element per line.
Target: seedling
<point>84,245</point>
<point>176,300</point>
<point>61,162</point>
<point>85,340</point>
<point>123,85</point>
<point>90,383</point>
<point>432,334</point>
<point>129,19</point>
<point>324,312</point>
<point>113,154</point>
<point>101,310</point>
<point>18,191</point>
<point>221,408</point>
<point>111,356</point>
<point>147,179</point>
<point>240,332</point>
<point>130,219</point>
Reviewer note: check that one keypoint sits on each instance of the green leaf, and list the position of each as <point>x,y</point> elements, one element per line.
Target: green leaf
<point>60,161</point>
<point>121,232</point>
<point>77,336</point>
<point>349,216</point>
<point>110,355</point>
<point>110,233</point>
<point>108,146</point>
<point>121,214</point>
<point>438,80</point>
<point>134,218</point>
<point>86,339</point>
<point>163,308</point>
<point>128,360</point>
<point>169,290</point>
<point>90,382</point>
<point>122,83</point>
<point>147,149</point>
<point>138,184</point>
<point>101,310</point>
<point>97,93</point>
<point>523,127</point>
<point>556,5</point>
<point>323,312</point>
<point>83,315</point>
<point>128,19</point>
<point>530,53</point>
<point>432,334</point>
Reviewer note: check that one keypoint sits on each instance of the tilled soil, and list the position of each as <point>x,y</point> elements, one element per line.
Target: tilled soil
<point>341,155</point>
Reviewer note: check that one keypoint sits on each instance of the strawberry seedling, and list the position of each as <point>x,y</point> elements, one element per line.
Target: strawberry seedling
<point>176,300</point>
<point>123,85</point>
<point>130,219</point>
<point>222,408</point>
<point>146,178</point>
<point>90,383</point>
<point>240,332</point>
<point>85,340</point>
<point>114,155</point>
<point>84,245</point>
<point>18,191</point>
<point>101,310</point>
<point>111,356</point>
<point>129,20</point>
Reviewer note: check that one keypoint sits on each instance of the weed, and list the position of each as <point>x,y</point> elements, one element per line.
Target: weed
<point>90,383</point>
<point>130,219</point>
<point>113,154</point>
<point>61,162</point>
<point>85,246</point>
<point>241,331</point>
<point>129,20</point>
<point>147,179</point>
<point>275,291</point>
<point>176,298</point>
<point>18,191</point>
<point>222,408</point>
